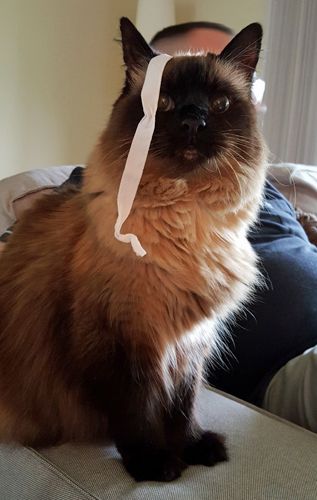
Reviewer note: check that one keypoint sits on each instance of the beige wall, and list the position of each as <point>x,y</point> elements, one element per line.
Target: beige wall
<point>235,13</point>
<point>61,71</point>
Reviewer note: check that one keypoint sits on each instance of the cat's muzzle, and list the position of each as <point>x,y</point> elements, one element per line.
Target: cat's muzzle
<point>192,124</point>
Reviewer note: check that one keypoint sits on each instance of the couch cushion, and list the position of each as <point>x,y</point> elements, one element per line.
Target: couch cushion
<point>297,182</point>
<point>269,459</point>
<point>15,190</point>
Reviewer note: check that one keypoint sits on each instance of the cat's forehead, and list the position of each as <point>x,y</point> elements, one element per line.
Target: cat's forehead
<point>185,73</point>
<point>197,68</point>
<point>205,71</point>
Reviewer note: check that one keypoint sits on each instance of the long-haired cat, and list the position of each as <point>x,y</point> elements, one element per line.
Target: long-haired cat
<point>98,343</point>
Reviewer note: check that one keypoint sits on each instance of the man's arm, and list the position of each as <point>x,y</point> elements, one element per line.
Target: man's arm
<point>309,223</point>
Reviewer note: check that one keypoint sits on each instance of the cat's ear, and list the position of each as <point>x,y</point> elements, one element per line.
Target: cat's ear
<point>136,51</point>
<point>243,50</point>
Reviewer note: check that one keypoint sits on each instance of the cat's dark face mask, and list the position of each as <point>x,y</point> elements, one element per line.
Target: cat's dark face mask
<point>205,113</point>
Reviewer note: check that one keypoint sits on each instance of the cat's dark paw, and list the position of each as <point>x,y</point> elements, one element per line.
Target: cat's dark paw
<point>208,449</point>
<point>160,465</point>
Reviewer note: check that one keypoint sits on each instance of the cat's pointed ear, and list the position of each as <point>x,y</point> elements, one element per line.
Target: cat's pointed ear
<point>243,50</point>
<point>136,51</point>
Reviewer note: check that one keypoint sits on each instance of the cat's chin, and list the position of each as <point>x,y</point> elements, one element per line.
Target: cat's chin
<point>191,154</point>
<point>191,157</point>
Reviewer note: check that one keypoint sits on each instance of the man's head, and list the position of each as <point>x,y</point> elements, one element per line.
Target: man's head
<point>194,36</point>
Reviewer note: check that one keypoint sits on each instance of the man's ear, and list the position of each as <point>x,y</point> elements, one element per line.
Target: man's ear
<point>244,49</point>
<point>135,49</point>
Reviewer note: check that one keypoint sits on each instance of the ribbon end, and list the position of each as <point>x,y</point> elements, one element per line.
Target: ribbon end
<point>133,240</point>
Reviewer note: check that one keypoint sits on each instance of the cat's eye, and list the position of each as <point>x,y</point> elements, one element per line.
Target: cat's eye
<point>165,103</point>
<point>220,104</point>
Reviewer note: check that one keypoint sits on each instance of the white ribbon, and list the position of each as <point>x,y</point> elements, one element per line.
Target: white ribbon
<point>139,150</point>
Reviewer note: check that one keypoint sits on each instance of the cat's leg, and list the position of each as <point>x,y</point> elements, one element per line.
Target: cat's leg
<point>195,445</point>
<point>6,424</point>
<point>138,432</point>
<point>17,429</point>
<point>136,423</point>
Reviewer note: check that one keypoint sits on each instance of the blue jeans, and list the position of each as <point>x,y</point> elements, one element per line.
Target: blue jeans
<point>282,321</point>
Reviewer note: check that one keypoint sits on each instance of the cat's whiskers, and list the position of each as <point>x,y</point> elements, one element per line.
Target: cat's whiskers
<point>240,160</point>
<point>157,153</point>
<point>238,140</point>
<point>127,140</point>
<point>211,164</point>
<point>111,153</point>
<point>243,155</point>
<point>227,163</point>
<point>242,148</point>
<point>237,151</point>
<point>114,161</point>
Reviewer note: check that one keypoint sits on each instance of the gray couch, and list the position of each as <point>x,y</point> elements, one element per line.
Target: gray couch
<point>269,459</point>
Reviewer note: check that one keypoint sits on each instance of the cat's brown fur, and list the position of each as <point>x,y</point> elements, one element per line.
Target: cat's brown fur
<point>96,342</point>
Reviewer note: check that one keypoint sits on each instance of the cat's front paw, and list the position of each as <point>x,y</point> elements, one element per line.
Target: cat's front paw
<point>208,449</point>
<point>159,465</point>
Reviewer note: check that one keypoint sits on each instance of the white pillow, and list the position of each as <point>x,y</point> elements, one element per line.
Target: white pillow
<point>297,182</point>
<point>21,185</point>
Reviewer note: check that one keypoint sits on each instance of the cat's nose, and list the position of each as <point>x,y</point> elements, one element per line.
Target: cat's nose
<point>193,125</point>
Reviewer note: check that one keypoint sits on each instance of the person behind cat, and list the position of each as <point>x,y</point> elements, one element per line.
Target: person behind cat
<point>273,343</point>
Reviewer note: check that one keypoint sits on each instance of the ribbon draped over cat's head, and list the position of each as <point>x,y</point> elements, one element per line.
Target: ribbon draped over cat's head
<point>139,149</point>
<point>144,70</point>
